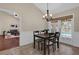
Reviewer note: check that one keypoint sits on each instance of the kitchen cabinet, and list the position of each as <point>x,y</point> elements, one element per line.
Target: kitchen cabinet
<point>8,43</point>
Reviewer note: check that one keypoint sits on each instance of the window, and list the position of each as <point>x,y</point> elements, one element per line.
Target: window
<point>66,29</point>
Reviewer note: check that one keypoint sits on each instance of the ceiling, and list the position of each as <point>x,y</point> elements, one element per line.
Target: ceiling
<point>56,7</point>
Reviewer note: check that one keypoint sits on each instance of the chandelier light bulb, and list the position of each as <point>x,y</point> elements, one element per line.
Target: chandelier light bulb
<point>45,14</point>
<point>51,15</point>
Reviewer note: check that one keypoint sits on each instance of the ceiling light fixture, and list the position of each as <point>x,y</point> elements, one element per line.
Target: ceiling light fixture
<point>47,16</point>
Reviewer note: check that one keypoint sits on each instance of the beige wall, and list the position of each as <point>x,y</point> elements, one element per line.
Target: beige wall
<point>74,11</point>
<point>30,16</point>
<point>5,21</point>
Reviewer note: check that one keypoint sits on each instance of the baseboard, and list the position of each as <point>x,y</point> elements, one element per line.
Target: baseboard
<point>68,45</point>
<point>30,44</point>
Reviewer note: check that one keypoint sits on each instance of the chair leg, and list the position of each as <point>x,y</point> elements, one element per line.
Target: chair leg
<point>58,43</point>
<point>48,48</point>
<point>54,45</point>
<point>38,45</point>
<point>41,46</point>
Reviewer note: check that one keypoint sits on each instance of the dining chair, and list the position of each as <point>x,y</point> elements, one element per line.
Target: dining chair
<point>52,42</point>
<point>55,41</point>
<point>38,40</point>
<point>56,35</point>
<point>48,43</point>
<point>45,31</point>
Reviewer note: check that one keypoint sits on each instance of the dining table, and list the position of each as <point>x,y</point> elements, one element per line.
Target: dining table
<point>45,37</point>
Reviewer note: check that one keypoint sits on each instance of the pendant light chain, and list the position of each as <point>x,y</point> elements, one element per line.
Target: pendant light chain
<point>47,6</point>
<point>47,10</point>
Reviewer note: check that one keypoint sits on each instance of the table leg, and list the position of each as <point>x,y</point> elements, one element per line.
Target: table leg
<point>44,46</point>
<point>57,42</point>
<point>34,42</point>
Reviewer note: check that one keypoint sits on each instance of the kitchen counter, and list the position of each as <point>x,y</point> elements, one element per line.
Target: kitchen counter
<point>11,36</point>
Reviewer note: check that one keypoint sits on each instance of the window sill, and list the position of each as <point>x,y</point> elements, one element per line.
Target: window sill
<point>66,37</point>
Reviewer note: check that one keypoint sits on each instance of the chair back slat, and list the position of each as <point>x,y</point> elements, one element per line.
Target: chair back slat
<point>35,32</point>
<point>57,34</point>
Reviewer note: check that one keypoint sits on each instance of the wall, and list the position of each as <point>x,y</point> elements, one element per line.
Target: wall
<point>75,21</point>
<point>30,20</point>
<point>5,21</point>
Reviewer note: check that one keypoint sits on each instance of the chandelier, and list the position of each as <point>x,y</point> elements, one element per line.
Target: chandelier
<point>47,16</point>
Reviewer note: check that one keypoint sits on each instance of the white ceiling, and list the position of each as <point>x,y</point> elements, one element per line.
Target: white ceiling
<point>55,7</point>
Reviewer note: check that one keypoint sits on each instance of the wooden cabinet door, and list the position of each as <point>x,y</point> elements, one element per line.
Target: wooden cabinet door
<point>7,43</point>
<point>1,44</point>
<point>10,43</point>
<point>15,42</point>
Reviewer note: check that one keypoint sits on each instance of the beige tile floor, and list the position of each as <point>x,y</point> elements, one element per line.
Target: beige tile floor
<point>28,50</point>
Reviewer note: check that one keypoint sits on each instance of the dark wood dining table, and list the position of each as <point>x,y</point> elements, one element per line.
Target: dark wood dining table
<point>44,37</point>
